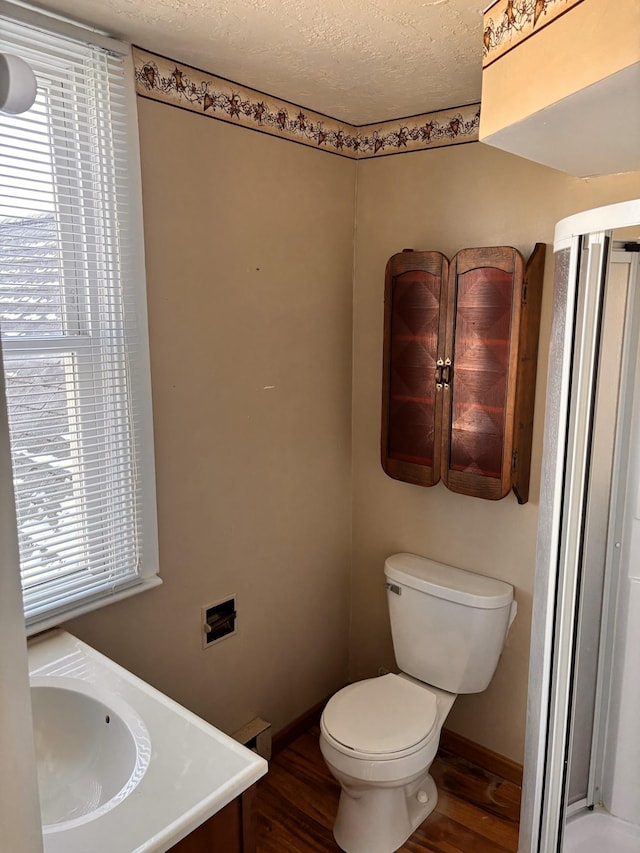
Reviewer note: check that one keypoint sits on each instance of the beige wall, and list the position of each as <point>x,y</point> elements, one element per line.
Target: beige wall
<point>249,245</point>
<point>448,199</point>
<point>589,43</point>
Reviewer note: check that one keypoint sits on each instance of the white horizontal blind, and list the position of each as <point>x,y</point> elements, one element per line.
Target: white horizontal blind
<point>69,290</point>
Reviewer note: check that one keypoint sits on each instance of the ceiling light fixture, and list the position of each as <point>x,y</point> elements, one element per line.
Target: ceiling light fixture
<point>18,87</point>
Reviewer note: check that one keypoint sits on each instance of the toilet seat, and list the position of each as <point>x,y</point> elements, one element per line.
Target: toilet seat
<point>381,718</point>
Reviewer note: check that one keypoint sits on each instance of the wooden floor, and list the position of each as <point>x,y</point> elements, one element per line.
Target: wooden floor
<point>477,812</point>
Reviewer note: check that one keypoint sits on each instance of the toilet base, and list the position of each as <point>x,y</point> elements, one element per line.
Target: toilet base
<point>380,819</point>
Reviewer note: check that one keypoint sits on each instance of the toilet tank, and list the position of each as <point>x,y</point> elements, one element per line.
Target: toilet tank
<point>448,625</point>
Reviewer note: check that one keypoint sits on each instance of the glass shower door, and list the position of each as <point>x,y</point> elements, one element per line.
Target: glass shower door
<point>574,538</point>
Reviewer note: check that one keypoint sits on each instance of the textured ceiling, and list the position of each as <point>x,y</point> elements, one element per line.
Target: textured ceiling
<point>360,61</point>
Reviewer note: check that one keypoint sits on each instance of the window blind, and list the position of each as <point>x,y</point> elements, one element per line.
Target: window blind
<point>72,317</point>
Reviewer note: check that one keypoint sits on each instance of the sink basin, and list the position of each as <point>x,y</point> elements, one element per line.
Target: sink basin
<point>91,750</point>
<point>122,768</point>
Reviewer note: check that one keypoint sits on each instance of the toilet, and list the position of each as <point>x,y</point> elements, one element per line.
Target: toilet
<point>379,736</point>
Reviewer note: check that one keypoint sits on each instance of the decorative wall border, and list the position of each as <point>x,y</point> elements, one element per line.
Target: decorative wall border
<point>179,85</point>
<point>507,23</point>
<point>419,133</point>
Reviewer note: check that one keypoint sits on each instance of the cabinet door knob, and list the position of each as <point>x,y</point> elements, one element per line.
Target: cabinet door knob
<point>447,373</point>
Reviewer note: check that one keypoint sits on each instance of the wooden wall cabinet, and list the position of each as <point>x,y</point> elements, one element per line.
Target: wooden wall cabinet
<point>460,354</point>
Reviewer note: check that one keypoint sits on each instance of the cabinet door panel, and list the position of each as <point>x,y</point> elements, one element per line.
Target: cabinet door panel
<point>414,326</point>
<point>482,343</point>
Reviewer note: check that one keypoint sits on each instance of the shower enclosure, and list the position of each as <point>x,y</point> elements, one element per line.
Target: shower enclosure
<point>582,759</point>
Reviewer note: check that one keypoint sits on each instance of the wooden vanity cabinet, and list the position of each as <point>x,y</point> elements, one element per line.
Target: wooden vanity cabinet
<point>231,830</point>
<point>460,355</point>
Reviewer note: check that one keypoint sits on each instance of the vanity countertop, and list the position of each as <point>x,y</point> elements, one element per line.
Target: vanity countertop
<point>194,770</point>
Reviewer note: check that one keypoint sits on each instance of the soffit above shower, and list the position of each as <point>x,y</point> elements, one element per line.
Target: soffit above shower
<point>361,61</point>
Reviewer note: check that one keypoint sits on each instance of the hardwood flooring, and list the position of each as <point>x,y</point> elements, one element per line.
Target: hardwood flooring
<point>477,811</point>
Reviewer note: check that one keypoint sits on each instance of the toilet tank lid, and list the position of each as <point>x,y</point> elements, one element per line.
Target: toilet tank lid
<point>448,582</point>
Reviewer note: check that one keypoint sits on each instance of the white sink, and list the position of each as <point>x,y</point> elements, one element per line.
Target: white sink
<point>91,750</point>
<point>121,767</point>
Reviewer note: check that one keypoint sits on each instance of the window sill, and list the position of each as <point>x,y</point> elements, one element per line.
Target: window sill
<point>87,607</point>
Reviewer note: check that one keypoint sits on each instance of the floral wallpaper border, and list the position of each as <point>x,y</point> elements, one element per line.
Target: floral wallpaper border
<point>508,22</point>
<point>171,82</point>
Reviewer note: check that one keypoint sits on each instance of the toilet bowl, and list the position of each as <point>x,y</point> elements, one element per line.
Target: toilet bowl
<point>379,736</point>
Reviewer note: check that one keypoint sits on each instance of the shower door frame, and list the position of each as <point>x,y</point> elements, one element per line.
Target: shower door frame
<point>575,337</point>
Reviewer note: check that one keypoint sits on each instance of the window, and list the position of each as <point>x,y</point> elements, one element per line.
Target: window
<point>73,322</point>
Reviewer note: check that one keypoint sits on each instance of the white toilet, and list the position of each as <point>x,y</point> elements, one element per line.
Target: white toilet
<point>379,736</point>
